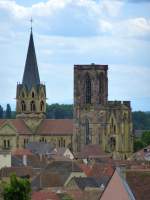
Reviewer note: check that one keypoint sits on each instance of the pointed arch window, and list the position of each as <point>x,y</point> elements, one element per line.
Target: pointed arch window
<point>23,106</point>
<point>101,83</point>
<point>33,95</point>
<point>42,106</point>
<point>88,90</point>
<point>32,105</point>
<point>87,132</point>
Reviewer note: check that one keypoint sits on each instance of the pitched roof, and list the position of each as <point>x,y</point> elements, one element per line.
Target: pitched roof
<point>39,147</point>
<point>56,127</point>
<point>21,151</point>
<point>19,171</point>
<point>18,124</point>
<point>31,73</point>
<point>84,182</point>
<point>117,188</point>
<point>139,182</point>
<point>92,151</point>
<point>47,126</point>
<point>99,170</point>
<point>44,195</point>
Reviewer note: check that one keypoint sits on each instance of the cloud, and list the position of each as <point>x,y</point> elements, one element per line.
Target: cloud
<point>139,1</point>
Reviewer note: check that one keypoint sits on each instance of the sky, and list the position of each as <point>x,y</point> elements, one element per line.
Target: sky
<point>68,32</point>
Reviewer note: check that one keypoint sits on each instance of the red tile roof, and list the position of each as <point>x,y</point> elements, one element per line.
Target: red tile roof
<point>92,151</point>
<point>47,126</point>
<point>56,127</point>
<point>18,124</point>
<point>45,195</point>
<point>139,182</point>
<point>86,169</point>
<point>21,152</point>
<point>100,170</point>
<point>116,189</point>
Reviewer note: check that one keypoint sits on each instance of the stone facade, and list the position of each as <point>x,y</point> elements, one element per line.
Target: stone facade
<point>97,120</point>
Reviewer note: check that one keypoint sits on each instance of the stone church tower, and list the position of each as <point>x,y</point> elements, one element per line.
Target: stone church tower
<point>97,120</point>
<point>31,94</point>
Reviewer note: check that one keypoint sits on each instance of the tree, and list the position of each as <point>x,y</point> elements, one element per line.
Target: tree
<point>146,138</point>
<point>8,112</point>
<point>17,189</point>
<point>1,112</point>
<point>138,144</point>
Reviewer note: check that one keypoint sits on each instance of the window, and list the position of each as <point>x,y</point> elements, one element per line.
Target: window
<point>42,106</point>
<point>32,94</point>
<point>6,144</point>
<point>23,106</point>
<point>101,83</point>
<point>23,94</point>
<point>32,105</point>
<point>87,90</point>
<point>87,132</point>
<point>26,141</point>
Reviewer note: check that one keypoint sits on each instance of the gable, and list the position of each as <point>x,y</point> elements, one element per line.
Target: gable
<point>7,129</point>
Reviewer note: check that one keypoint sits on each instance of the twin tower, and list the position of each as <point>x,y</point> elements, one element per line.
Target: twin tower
<point>96,120</point>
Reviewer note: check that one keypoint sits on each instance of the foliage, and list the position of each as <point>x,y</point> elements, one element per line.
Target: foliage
<point>138,144</point>
<point>59,111</point>
<point>142,142</point>
<point>141,120</point>
<point>1,112</point>
<point>66,197</point>
<point>8,112</point>
<point>146,138</point>
<point>17,189</point>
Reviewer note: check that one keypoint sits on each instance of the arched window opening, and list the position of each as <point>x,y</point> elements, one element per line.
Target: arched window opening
<point>23,106</point>
<point>23,94</point>
<point>5,145</point>
<point>42,106</point>
<point>88,90</point>
<point>32,105</point>
<point>101,83</point>
<point>33,95</point>
<point>87,133</point>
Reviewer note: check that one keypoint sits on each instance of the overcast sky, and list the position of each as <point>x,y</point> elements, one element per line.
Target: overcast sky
<point>68,32</point>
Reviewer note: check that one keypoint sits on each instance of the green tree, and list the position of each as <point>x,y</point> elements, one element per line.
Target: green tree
<point>1,112</point>
<point>8,112</point>
<point>146,138</point>
<point>138,144</point>
<point>17,189</point>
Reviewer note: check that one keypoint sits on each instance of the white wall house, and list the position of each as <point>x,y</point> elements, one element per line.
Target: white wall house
<point>5,159</point>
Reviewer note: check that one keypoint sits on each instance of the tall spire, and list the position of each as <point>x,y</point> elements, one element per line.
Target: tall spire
<point>31,73</point>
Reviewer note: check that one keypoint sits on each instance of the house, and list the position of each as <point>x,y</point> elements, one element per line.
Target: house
<point>57,174</point>
<point>62,152</point>
<point>142,155</point>
<point>117,188</point>
<point>83,183</point>
<point>40,148</point>
<point>5,158</point>
<point>139,182</point>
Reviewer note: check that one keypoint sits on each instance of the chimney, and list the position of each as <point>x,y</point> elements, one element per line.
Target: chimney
<point>24,159</point>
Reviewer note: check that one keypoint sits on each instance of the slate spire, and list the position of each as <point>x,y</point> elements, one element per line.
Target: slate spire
<point>31,73</point>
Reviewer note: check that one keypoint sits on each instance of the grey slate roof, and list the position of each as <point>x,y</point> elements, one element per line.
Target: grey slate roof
<point>31,73</point>
<point>40,148</point>
<point>84,182</point>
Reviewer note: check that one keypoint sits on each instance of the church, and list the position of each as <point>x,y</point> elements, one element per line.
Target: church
<point>96,120</point>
